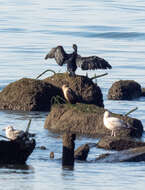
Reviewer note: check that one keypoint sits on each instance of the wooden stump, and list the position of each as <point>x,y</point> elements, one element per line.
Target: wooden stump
<point>68,150</point>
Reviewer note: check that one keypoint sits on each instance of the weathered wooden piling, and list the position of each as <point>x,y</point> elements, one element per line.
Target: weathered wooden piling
<point>68,150</point>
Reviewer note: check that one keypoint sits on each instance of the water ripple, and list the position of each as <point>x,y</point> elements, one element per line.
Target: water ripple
<point>112,35</point>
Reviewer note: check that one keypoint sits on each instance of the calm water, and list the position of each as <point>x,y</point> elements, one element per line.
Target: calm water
<point>110,29</point>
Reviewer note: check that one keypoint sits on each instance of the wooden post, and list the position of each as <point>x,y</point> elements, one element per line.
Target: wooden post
<point>68,150</point>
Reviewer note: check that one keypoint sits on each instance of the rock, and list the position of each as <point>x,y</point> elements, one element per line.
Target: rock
<point>42,147</point>
<point>124,90</point>
<point>84,119</point>
<point>143,91</point>
<point>116,143</point>
<point>84,88</point>
<point>16,151</point>
<point>28,95</point>
<point>81,153</point>
<point>130,155</point>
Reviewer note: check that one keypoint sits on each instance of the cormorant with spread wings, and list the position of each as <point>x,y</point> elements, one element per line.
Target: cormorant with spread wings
<point>73,60</point>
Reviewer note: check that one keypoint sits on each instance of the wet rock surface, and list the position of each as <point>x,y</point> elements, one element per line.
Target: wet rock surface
<point>116,143</point>
<point>81,152</point>
<point>84,88</point>
<point>124,90</point>
<point>84,119</point>
<point>130,155</point>
<point>16,151</point>
<point>28,95</point>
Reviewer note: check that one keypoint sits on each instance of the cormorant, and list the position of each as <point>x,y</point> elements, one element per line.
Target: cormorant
<point>73,60</point>
<point>69,94</point>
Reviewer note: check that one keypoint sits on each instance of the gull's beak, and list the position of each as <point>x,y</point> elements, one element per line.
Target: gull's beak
<point>3,129</point>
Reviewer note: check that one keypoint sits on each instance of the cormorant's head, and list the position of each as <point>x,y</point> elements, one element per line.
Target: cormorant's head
<point>64,86</point>
<point>75,47</point>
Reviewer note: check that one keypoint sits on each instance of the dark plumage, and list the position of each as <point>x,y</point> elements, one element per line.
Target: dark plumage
<point>71,62</point>
<point>74,60</point>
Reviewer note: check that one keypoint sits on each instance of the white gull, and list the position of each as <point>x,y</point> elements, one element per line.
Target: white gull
<point>12,133</point>
<point>113,123</point>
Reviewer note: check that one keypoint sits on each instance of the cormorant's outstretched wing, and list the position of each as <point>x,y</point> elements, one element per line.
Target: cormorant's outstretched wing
<point>51,53</point>
<point>92,63</point>
<point>58,54</point>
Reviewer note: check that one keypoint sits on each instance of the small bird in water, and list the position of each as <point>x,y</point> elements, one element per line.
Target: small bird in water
<point>113,123</point>
<point>74,60</point>
<point>12,133</point>
<point>69,94</point>
<point>51,155</point>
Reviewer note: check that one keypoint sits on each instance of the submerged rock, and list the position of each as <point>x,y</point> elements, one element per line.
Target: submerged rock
<point>28,95</point>
<point>81,152</point>
<point>116,143</point>
<point>84,119</point>
<point>130,155</point>
<point>124,90</point>
<point>84,88</point>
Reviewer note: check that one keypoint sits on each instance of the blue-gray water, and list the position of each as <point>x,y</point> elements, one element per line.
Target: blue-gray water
<point>110,29</point>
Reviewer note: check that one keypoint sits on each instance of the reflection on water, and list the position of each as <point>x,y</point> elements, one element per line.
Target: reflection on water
<point>22,169</point>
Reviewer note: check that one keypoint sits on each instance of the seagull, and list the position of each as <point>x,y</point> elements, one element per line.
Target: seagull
<point>12,133</point>
<point>73,60</point>
<point>69,94</point>
<point>113,123</point>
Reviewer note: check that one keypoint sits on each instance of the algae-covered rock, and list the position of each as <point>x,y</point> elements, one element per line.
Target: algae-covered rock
<point>28,95</point>
<point>84,88</point>
<point>117,143</point>
<point>84,119</point>
<point>124,90</point>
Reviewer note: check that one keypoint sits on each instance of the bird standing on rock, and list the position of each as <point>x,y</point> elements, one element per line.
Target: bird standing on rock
<point>69,94</point>
<point>12,133</point>
<point>113,123</point>
<point>73,60</point>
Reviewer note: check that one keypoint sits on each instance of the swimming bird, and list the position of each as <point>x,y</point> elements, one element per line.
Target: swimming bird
<point>69,94</point>
<point>113,123</point>
<point>73,60</point>
<point>12,133</point>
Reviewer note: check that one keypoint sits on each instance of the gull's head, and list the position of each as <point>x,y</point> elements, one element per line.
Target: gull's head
<point>106,114</point>
<point>9,128</point>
